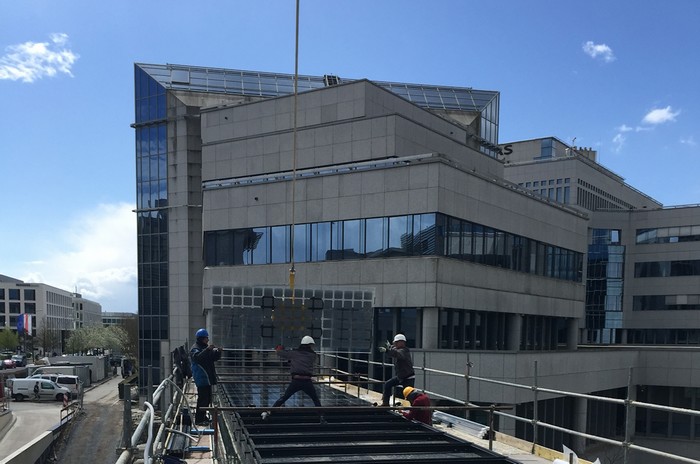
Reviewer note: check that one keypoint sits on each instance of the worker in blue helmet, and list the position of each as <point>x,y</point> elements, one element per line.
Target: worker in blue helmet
<point>203,356</point>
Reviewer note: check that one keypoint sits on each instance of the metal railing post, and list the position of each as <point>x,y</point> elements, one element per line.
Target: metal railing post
<point>492,432</point>
<point>469,373</point>
<point>534,412</point>
<point>126,426</point>
<point>149,384</point>
<point>425,375</point>
<point>630,418</point>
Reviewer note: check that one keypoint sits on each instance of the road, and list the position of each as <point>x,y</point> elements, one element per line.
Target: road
<point>93,437</point>
<point>30,419</point>
<point>96,434</point>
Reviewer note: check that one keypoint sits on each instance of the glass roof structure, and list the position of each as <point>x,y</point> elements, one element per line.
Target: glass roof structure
<point>261,84</point>
<point>267,85</point>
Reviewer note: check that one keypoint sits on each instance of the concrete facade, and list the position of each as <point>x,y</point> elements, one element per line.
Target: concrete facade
<point>53,309</point>
<point>364,153</point>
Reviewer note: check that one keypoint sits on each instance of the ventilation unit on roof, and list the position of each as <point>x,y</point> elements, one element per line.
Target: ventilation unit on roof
<point>329,80</point>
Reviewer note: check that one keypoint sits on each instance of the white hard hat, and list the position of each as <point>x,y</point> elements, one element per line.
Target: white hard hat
<point>307,340</point>
<point>401,337</point>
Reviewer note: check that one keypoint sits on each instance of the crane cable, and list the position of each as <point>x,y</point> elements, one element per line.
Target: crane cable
<point>292,271</point>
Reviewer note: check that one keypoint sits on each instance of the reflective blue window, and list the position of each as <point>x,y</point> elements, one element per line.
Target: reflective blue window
<point>400,237</point>
<point>453,239</point>
<point>419,234</point>
<point>478,237</point>
<point>301,241</point>
<point>375,237</point>
<point>259,246</point>
<point>467,241</point>
<point>280,242</point>
<point>320,241</point>
<point>427,240</point>
<point>353,239</point>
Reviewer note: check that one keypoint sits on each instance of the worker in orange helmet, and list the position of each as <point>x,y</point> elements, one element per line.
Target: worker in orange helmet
<point>418,399</point>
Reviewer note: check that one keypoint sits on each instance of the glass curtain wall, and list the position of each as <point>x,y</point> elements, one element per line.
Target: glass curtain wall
<point>152,218</point>
<point>604,286</point>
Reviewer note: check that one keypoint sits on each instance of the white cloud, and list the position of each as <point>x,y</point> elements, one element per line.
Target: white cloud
<point>660,115</point>
<point>618,142</point>
<point>599,50</point>
<point>95,254</point>
<point>30,61</point>
<point>688,141</point>
<point>625,128</point>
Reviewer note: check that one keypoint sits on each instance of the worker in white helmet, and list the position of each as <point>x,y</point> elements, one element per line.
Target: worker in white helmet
<point>403,364</point>
<point>301,365</point>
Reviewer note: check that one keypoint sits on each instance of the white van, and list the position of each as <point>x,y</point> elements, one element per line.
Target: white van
<point>24,389</point>
<point>71,382</point>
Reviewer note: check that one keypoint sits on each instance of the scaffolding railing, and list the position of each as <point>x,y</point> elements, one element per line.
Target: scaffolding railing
<point>629,402</point>
<point>330,373</point>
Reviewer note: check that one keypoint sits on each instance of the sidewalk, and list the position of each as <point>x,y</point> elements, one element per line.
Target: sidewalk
<point>30,421</point>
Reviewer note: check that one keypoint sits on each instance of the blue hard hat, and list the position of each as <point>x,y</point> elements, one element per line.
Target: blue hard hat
<point>201,333</point>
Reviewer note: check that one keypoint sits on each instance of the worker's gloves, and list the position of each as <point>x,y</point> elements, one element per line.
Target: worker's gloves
<point>385,347</point>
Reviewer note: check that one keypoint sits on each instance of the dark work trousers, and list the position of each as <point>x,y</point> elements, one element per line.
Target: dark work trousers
<point>391,383</point>
<point>305,385</point>
<point>203,401</point>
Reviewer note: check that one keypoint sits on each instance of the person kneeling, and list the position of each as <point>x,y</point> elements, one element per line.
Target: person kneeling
<point>418,399</point>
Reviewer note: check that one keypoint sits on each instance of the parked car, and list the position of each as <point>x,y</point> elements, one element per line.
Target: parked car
<point>71,382</point>
<point>8,364</point>
<point>20,360</point>
<point>24,389</point>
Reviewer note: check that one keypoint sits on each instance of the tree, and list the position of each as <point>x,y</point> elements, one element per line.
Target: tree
<point>8,339</point>
<point>48,339</point>
<point>87,339</point>
<point>131,327</point>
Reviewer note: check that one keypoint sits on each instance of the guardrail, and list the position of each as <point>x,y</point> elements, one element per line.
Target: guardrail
<point>629,402</point>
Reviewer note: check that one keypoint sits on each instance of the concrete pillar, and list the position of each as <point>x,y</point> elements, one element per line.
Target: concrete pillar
<point>430,328</point>
<point>572,336</point>
<point>580,420</point>
<point>507,425</point>
<point>515,325</point>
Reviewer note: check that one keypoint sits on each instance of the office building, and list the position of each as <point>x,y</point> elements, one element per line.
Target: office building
<point>55,312</point>
<point>87,313</point>
<point>398,210</point>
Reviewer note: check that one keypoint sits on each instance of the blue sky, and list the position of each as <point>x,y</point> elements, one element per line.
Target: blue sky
<point>618,76</point>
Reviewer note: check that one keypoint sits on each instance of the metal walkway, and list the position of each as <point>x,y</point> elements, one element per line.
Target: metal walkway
<point>345,429</point>
<point>356,437</point>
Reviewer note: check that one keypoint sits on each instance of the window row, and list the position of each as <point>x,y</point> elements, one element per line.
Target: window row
<point>667,268</point>
<point>669,234</point>
<point>13,294</point>
<point>658,423</point>
<point>486,330</point>
<point>413,235</point>
<point>666,303</point>
<point>663,336</point>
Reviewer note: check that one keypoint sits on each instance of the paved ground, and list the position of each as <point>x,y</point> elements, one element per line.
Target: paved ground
<point>28,420</point>
<point>96,434</point>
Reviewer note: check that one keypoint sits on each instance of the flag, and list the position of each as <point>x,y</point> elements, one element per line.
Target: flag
<point>24,324</point>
